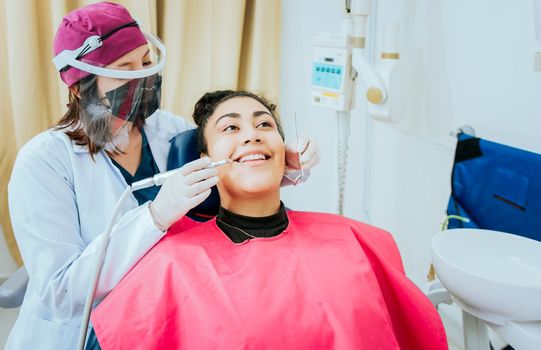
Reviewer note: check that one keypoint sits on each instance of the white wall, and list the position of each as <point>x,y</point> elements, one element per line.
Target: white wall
<point>462,62</point>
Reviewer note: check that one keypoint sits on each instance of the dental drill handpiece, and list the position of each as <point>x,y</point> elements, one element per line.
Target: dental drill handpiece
<point>159,179</point>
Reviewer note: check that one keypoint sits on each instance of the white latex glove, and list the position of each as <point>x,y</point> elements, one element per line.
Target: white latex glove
<point>183,191</point>
<point>308,151</point>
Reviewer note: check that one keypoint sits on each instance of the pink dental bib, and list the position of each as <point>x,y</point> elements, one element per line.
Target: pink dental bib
<point>326,282</point>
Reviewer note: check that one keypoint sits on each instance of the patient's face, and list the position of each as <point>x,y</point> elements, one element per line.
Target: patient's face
<point>243,130</point>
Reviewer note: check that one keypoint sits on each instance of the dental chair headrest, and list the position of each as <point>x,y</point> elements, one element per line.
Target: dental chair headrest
<point>184,150</point>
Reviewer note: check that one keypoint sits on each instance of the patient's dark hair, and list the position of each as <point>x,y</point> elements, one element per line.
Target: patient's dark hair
<point>208,103</point>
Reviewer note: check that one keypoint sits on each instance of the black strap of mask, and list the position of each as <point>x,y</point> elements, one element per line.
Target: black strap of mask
<point>131,24</point>
<point>101,38</point>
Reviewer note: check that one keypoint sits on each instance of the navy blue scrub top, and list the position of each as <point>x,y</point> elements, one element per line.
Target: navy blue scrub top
<point>147,168</point>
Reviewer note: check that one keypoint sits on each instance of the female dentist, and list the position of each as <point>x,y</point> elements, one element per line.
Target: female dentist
<point>67,180</point>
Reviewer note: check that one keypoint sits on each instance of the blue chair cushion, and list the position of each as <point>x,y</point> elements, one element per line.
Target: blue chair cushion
<point>184,150</point>
<point>497,187</point>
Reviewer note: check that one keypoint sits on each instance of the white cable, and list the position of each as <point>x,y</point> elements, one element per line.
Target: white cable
<point>368,149</point>
<point>369,125</point>
<point>97,269</point>
<point>342,156</point>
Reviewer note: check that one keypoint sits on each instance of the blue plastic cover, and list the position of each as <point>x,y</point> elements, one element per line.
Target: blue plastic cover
<point>497,187</point>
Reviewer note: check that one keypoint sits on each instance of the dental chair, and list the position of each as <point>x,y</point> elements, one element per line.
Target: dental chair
<point>183,150</point>
<point>493,187</point>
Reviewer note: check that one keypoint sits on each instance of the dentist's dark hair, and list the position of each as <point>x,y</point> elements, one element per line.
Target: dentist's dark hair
<point>208,103</point>
<point>77,114</point>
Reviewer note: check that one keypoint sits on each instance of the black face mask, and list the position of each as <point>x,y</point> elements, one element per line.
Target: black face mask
<point>138,99</point>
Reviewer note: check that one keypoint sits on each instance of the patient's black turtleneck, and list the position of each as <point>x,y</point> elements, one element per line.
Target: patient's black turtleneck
<point>240,228</point>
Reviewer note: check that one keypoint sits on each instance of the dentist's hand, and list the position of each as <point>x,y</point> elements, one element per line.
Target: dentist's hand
<point>183,191</point>
<point>305,150</point>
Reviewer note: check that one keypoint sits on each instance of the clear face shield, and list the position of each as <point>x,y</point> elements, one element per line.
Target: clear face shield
<point>115,97</point>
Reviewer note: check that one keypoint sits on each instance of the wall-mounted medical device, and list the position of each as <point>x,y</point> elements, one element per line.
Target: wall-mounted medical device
<point>339,61</point>
<point>332,81</point>
<point>377,78</point>
<point>341,57</point>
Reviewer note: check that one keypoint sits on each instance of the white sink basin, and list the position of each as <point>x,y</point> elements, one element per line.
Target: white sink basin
<point>495,276</point>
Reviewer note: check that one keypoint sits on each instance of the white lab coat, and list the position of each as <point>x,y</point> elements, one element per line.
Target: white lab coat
<point>60,201</point>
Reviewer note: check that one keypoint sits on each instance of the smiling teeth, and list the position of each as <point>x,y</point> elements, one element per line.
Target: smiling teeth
<point>252,157</point>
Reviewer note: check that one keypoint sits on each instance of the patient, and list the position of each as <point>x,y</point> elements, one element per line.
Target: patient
<point>260,276</point>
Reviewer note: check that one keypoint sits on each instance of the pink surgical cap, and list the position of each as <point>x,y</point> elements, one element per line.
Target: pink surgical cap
<point>96,19</point>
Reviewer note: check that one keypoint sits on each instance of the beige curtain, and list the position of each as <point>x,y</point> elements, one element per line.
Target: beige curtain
<point>211,44</point>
